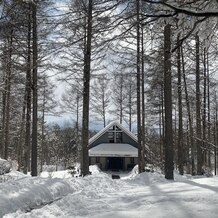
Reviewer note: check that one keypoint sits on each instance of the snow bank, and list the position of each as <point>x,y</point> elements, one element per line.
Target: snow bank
<point>63,174</point>
<point>12,175</point>
<point>56,174</point>
<point>25,193</point>
<point>98,196</point>
<point>82,198</point>
<point>28,192</point>
<point>146,178</point>
<point>94,169</point>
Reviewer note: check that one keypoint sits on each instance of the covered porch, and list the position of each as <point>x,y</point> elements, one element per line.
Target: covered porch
<point>114,156</point>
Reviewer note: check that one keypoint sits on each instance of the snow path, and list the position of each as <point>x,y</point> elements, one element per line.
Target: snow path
<point>98,196</point>
<point>28,192</point>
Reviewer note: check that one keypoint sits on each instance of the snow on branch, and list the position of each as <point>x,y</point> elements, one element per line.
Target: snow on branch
<point>187,11</point>
<point>29,1</point>
<point>206,142</point>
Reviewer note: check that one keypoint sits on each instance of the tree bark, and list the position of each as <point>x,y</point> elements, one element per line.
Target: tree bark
<point>160,128</point>
<point>43,154</point>
<point>215,135</point>
<point>3,120</point>
<point>168,141</point>
<point>204,144</point>
<point>77,113</point>
<point>180,131</point>
<point>198,109</point>
<point>121,99</point>
<point>86,94</point>
<point>21,135</point>
<point>130,107</point>
<point>163,124</point>
<point>8,97</point>
<point>140,150</point>
<point>28,101</point>
<point>189,115</point>
<point>143,98</point>
<point>208,108</point>
<point>35,91</point>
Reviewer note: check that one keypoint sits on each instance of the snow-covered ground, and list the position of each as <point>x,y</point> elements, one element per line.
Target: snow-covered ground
<point>98,196</point>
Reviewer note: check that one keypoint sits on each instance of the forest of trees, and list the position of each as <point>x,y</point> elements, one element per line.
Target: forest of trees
<point>150,64</point>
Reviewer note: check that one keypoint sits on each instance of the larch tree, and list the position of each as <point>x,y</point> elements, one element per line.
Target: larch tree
<point>180,130</point>
<point>141,155</point>
<point>100,97</point>
<point>118,95</point>
<point>168,136</point>
<point>86,91</point>
<point>34,154</point>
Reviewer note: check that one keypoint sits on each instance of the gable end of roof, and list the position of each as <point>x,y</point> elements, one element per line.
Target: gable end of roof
<point>100,133</point>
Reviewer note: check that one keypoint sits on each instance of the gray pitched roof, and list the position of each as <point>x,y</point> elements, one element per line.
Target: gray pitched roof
<point>100,133</point>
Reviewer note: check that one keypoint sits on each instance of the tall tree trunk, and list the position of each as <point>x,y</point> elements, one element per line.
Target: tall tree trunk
<point>168,141</point>
<point>215,148</point>
<point>187,153</point>
<point>28,100</point>
<point>215,135</point>
<point>78,154</point>
<point>160,129</point>
<point>21,135</point>
<point>162,110</point>
<point>4,92</point>
<point>130,108</point>
<point>140,151</point>
<point>43,154</point>
<point>121,98</point>
<point>86,93</point>
<point>143,98</point>
<point>8,97</point>
<point>208,109</point>
<point>189,116</point>
<point>77,114</point>
<point>103,110</point>
<point>180,131</point>
<point>198,110</point>
<point>204,144</point>
<point>163,123</point>
<point>35,91</point>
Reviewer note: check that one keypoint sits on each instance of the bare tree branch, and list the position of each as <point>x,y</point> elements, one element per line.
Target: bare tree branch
<point>179,10</point>
<point>188,34</point>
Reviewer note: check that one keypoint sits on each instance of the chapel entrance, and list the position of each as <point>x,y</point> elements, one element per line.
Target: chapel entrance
<point>115,163</point>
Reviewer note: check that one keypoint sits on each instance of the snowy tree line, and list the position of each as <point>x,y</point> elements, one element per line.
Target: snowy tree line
<point>150,64</point>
